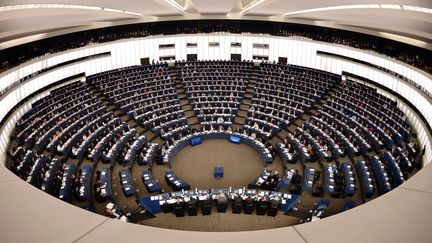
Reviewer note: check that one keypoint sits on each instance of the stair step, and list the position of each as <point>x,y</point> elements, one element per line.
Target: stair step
<point>241,113</point>
<point>291,128</point>
<point>240,120</point>
<point>305,117</point>
<point>139,129</point>
<point>247,102</point>
<point>187,107</point>
<point>192,120</point>
<point>197,127</point>
<point>157,140</point>
<point>184,102</point>
<point>313,112</point>
<point>149,134</point>
<point>245,106</point>
<point>275,139</point>
<point>299,122</point>
<point>189,113</point>
<point>124,118</point>
<point>283,133</point>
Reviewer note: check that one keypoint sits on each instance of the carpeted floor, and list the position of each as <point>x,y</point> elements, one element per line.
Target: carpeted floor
<point>241,163</point>
<point>195,165</point>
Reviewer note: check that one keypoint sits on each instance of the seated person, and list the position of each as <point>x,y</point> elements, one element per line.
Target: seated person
<point>163,151</point>
<point>272,181</point>
<point>229,129</point>
<point>221,198</point>
<point>256,126</point>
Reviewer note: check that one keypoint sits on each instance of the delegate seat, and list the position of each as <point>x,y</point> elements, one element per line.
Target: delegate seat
<point>126,182</point>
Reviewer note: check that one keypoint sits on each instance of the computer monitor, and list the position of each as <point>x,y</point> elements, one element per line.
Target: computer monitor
<point>234,139</point>
<point>196,140</point>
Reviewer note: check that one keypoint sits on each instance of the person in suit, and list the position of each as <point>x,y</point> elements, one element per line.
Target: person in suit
<point>274,176</point>
<point>272,181</point>
<point>221,198</point>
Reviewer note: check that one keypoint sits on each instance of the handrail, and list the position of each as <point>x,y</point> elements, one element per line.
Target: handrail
<point>34,94</point>
<point>44,70</point>
<point>397,75</point>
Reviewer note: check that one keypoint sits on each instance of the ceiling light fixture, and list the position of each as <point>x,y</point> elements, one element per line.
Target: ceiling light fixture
<point>364,6</point>
<point>63,6</point>
<point>176,5</point>
<point>113,10</point>
<point>390,6</point>
<point>252,5</point>
<point>132,13</point>
<point>357,6</point>
<point>417,9</point>
<point>42,5</point>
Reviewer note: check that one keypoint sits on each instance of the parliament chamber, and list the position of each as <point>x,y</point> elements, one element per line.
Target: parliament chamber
<point>214,129</point>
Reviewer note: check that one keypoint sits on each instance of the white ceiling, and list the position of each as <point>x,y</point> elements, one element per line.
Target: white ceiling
<point>409,26</point>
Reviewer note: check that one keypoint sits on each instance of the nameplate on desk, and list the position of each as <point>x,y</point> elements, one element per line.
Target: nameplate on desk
<point>171,201</point>
<point>234,139</point>
<point>196,140</point>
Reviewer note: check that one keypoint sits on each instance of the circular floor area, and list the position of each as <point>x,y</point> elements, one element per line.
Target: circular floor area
<point>241,163</point>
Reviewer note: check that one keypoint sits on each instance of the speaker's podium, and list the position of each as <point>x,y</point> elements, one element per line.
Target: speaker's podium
<point>218,172</point>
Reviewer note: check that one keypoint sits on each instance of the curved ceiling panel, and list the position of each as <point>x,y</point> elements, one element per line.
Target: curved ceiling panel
<point>370,16</point>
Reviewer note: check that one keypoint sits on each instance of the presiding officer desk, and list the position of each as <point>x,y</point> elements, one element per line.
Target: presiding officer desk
<point>214,134</point>
<point>155,204</point>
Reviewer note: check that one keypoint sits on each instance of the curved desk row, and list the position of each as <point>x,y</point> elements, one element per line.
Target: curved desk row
<point>156,204</point>
<point>184,142</point>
